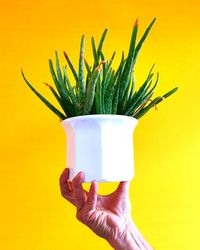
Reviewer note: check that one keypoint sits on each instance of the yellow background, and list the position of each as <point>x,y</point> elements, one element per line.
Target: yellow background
<point>165,191</point>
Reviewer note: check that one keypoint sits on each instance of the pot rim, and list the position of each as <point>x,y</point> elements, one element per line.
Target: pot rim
<point>101,116</point>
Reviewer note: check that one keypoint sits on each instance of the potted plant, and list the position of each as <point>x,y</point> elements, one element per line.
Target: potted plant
<point>101,110</point>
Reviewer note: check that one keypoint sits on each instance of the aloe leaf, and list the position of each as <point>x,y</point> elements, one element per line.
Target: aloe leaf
<point>170,92</point>
<point>151,91</point>
<point>108,102</point>
<point>116,106</point>
<point>108,78</point>
<point>112,81</point>
<point>105,66</point>
<point>59,74</point>
<point>61,80</point>
<point>89,71</point>
<point>115,100</point>
<point>53,92</point>
<point>60,100</point>
<point>143,38</point>
<point>132,87</point>
<point>71,93</point>
<point>133,99</point>
<point>147,108</point>
<point>101,42</point>
<point>154,102</point>
<point>140,107</point>
<point>121,63</point>
<point>95,55</point>
<point>71,67</point>
<point>142,96</point>
<point>81,70</point>
<point>54,77</point>
<point>62,90</point>
<point>43,99</point>
<point>109,97</point>
<point>111,59</point>
<point>90,91</point>
<point>129,64</point>
<point>98,97</point>
<point>126,96</point>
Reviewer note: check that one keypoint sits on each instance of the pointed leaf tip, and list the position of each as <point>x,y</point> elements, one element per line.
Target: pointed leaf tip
<point>65,54</point>
<point>136,23</point>
<point>45,83</point>
<point>154,19</point>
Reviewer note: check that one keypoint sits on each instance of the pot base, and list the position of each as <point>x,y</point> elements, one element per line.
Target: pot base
<point>102,179</point>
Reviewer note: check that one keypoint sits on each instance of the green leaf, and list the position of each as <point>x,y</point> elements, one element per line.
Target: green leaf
<point>98,98</point>
<point>72,68</point>
<point>101,42</point>
<point>105,66</point>
<point>115,100</point>
<point>59,74</point>
<point>108,99</point>
<point>81,70</point>
<point>54,93</point>
<point>170,92</point>
<point>108,78</point>
<point>132,59</point>
<point>147,108</point>
<point>132,87</point>
<point>95,55</point>
<point>61,101</point>
<point>154,103</point>
<point>63,92</point>
<point>54,77</point>
<point>133,99</point>
<point>90,91</point>
<point>143,38</point>
<point>71,94</point>
<point>128,68</point>
<point>89,71</point>
<point>142,96</point>
<point>126,96</point>
<point>111,60</point>
<point>43,99</point>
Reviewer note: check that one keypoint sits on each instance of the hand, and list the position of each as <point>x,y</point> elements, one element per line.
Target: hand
<point>108,216</point>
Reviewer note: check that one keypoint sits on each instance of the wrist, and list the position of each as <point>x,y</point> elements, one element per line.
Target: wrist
<point>129,239</point>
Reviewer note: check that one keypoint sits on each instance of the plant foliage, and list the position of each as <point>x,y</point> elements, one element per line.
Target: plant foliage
<point>103,90</point>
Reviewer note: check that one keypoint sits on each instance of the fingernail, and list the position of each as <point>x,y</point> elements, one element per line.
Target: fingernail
<point>69,185</point>
<point>82,175</point>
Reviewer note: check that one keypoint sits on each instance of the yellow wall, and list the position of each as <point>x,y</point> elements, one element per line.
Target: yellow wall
<point>165,191</point>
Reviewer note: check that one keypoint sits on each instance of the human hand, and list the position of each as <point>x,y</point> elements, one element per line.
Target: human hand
<point>108,216</point>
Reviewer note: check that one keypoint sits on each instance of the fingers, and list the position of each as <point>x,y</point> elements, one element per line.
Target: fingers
<point>73,192</point>
<point>65,186</point>
<point>92,196</point>
<point>78,191</point>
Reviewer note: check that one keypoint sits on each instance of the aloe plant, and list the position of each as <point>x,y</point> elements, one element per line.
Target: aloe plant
<point>102,90</point>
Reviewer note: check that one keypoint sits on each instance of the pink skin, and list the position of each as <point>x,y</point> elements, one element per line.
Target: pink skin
<point>108,216</point>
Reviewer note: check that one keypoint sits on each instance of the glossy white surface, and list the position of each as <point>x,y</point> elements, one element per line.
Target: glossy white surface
<point>101,146</point>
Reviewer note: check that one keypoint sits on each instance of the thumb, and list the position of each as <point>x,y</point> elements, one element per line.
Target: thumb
<point>123,186</point>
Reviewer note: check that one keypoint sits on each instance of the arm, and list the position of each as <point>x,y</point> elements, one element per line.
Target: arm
<point>130,240</point>
<point>108,216</point>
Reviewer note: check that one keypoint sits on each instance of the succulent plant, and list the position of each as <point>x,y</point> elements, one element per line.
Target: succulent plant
<point>103,90</point>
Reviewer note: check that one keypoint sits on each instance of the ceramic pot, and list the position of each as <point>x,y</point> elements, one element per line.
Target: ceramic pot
<point>101,146</point>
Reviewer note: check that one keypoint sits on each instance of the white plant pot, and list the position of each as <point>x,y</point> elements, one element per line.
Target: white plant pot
<point>101,146</point>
